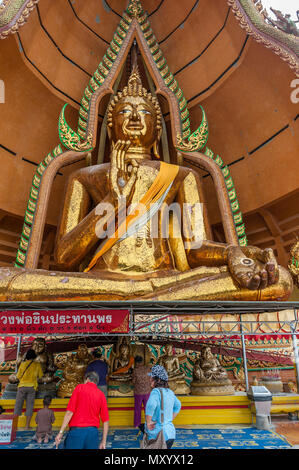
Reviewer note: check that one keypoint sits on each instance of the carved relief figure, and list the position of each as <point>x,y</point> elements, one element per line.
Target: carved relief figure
<point>44,357</point>
<point>176,377</point>
<point>74,370</point>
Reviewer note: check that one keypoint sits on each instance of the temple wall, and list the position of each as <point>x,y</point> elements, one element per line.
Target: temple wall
<point>247,110</point>
<point>28,132</point>
<point>195,410</point>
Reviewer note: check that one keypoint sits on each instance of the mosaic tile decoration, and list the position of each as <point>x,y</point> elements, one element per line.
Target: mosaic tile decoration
<point>199,438</point>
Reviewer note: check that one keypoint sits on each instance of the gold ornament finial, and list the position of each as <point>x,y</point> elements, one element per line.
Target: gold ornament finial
<point>135,8</point>
<point>134,81</point>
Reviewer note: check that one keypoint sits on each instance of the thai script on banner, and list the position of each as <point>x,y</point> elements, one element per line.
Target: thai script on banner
<point>66,321</point>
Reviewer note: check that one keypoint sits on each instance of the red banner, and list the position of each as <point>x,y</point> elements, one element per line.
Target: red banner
<point>64,321</point>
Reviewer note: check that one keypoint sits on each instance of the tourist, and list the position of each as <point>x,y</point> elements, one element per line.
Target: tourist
<point>86,407</point>
<point>172,406</point>
<point>44,420</point>
<point>142,389</point>
<point>28,374</point>
<point>101,368</point>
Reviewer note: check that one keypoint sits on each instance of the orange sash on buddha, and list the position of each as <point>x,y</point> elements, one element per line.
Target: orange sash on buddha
<point>125,368</point>
<point>161,184</point>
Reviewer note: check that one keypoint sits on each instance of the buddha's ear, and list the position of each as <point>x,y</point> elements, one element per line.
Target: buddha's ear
<point>155,149</point>
<point>159,134</point>
<point>109,132</point>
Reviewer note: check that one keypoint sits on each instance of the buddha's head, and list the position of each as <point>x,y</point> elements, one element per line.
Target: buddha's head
<point>207,352</point>
<point>39,345</point>
<point>124,350</point>
<point>82,351</point>
<point>168,350</point>
<point>134,114</point>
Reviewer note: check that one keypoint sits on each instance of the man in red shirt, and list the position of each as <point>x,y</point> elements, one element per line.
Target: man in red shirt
<point>86,407</point>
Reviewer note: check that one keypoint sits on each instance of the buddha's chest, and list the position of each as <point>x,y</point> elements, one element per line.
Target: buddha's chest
<point>146,176</point>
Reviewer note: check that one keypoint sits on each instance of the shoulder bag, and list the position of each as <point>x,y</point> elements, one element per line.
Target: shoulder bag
<point>25,370</point>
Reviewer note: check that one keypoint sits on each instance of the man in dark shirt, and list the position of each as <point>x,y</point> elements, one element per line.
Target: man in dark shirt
<point>101,368</point>
<point>86,407</point>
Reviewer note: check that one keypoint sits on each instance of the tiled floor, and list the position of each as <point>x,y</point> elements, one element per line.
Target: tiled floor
<point>187,437</point>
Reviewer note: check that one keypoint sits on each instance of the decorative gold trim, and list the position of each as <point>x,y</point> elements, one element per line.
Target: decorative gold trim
<point>293,264</point>
<point>13,15</point>
<point>197,140</point>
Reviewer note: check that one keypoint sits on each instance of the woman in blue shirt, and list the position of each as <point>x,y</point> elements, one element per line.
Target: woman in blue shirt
<point>172,406</point>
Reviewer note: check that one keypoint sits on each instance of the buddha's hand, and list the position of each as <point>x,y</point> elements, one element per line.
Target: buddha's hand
<point>122,175</point>
<point>252,267</point>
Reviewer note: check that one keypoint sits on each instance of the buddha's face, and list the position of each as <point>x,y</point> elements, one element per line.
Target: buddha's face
<point>208,353</point>
<point>134,119</point>
<point>124,350</point>
<point>82,351</point>
<point>168,350</point>
<point>38,345</point>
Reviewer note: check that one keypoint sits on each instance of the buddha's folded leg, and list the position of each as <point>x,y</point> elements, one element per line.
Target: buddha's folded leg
<point>17,284</point>
<point>39,285</point>
<point>202,283</point>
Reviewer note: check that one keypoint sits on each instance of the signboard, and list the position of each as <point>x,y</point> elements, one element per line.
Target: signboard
<point>8,426</point>
<point>64,321</point>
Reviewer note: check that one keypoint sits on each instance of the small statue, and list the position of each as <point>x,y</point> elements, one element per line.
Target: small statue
<point>198,374</point>
<point>176,378</point>
<point>121,365</point>
<point>73,373</point>
<point>46,385</point>
<point>209,377</point>
<point>211,366</point>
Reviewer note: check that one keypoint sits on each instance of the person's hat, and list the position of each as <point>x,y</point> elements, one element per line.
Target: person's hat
<point>159,372</point>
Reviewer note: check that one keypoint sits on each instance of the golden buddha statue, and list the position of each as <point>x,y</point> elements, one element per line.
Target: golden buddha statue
<point>108,251</point>
<point>198,374</point>
<point>211,366</point>
<point>73,373</point>
<point>209,377</point>
<point>176,378</point>
<point>122,364</point>
<point>46,385</point>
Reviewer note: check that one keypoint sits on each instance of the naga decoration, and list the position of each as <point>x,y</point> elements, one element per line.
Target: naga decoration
<point>70,139</point>
<point>13,15</point>
<point>253,20</point>
<point>294,262</point>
